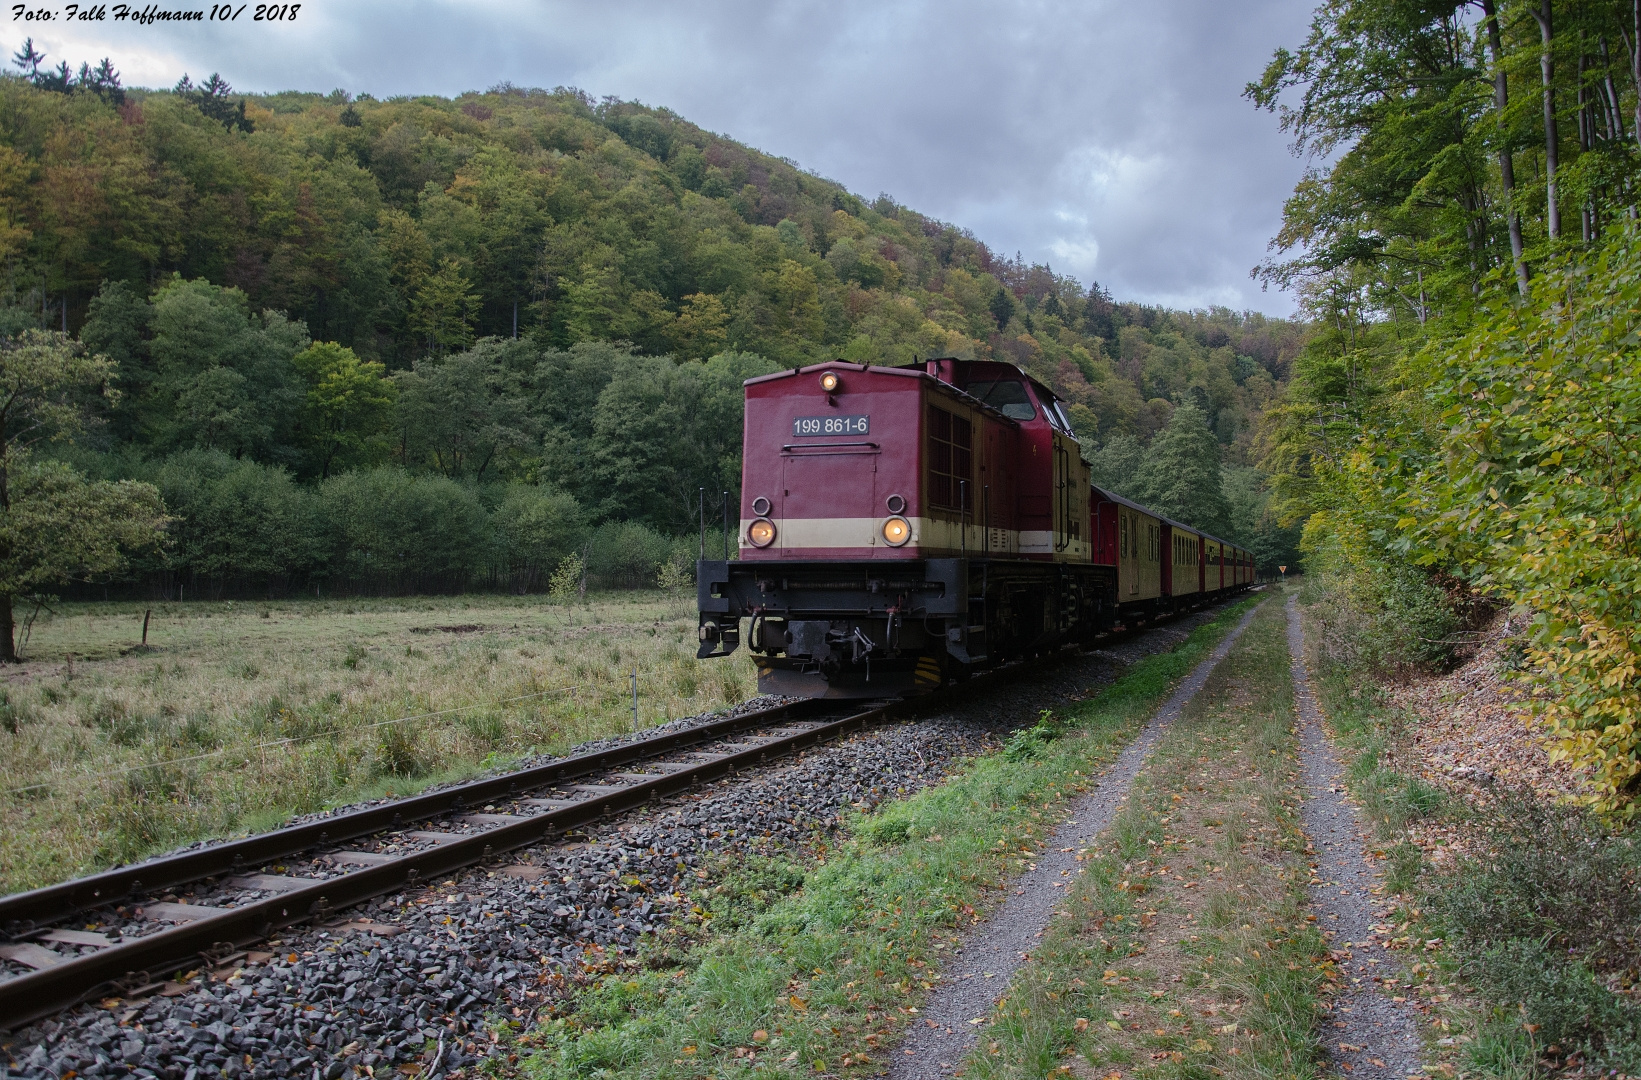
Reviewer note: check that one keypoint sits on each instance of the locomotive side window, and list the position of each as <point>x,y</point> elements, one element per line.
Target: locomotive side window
<point>1007,396</point>
<point>951,458</point>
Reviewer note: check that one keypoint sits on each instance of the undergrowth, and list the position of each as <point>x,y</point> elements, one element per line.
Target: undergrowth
<point>1537,925</point>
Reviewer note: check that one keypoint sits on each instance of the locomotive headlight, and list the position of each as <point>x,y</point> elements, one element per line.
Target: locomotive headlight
<point>761,532</point>
<point>830,381</point>
<point>897,530</point>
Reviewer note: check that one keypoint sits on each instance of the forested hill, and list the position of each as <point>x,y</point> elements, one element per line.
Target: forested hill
<point>207,240</point>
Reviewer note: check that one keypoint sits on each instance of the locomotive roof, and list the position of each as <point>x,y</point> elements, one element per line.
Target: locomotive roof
<point>909,371</point>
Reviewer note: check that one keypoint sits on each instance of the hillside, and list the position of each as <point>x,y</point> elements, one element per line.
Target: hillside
<point>411,232</point>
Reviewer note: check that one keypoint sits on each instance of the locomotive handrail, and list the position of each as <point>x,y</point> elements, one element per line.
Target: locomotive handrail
<point>826,447</point>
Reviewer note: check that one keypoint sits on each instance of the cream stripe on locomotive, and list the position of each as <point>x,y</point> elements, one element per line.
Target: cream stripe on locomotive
<point>937,533</point>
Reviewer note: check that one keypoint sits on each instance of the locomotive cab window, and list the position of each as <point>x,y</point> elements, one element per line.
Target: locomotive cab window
<point>951,458</point>
<point>1007,396</point>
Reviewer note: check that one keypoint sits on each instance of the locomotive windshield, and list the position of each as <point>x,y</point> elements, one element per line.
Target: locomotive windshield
<point>1007,396</point>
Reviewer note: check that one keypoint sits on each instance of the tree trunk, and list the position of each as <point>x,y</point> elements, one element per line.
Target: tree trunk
<point>1507,166</point>
<point>8,646</point>
<point>1547,70</point>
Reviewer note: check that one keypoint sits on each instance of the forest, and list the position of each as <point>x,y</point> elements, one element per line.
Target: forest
<point>1463,429</point>
<point>431,343</point>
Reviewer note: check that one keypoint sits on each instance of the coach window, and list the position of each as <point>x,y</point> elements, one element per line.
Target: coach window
<point>951,458</point>
<point>1007,396</point>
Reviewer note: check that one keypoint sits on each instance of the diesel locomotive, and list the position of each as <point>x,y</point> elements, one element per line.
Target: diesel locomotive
<point>903,527</point>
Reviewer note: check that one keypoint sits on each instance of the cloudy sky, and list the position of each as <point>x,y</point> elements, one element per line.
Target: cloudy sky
<point>1106,138</point>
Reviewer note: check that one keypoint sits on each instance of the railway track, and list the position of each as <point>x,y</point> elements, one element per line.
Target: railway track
<point>166,914</point>
<point>125,931</point>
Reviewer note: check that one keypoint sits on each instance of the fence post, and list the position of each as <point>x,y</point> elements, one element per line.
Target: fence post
<point>635,699</point>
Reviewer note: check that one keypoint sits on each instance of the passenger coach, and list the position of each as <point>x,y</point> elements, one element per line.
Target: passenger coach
<point>901,526</point>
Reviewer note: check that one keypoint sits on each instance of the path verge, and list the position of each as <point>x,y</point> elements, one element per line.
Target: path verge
<point>1184,949</point>
<point>825,979</point>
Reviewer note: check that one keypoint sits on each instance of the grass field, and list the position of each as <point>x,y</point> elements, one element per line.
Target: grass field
<point>238,714</point>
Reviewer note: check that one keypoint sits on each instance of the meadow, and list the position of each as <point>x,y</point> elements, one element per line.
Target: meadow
<point>237,715</point>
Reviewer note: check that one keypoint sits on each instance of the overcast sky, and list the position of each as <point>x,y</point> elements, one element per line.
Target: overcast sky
<point>1108,139</point>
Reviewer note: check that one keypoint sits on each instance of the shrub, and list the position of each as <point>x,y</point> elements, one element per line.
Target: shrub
<point>237,519</point>
<point>626,555</point>
<point>535,528</point>
<point>1548,919</point>
<point>569,581</point>
<point>399,530</point>
<point>1536,492</point>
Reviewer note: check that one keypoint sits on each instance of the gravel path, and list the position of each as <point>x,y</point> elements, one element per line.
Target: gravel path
<point>1368,1034</point>
<point>980,973</point>
<point>412,977</point>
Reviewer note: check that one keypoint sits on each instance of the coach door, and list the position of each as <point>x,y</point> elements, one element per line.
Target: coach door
<point>1128,578</point>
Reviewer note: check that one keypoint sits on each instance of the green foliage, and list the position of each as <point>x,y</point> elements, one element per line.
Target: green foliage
<point>411,531</point>
<point>1545,921</point>
<point>626,554</point>
<point>223,377</point>
<point>56,526</point>
<point>349,406</point>
<point>1030,742</point>
<point>238,519</point>
<point>1537,494</point>
<point>569,580</point>
<point>1180,474</point>
<point>536,529</point>
<point>1469,404</point>
<point>1116,465</point>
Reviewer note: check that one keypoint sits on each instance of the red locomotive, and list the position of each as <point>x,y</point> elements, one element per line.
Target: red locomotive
<point>903,526</point>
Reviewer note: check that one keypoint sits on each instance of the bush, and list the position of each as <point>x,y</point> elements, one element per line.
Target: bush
<point>626,555</point>
<point>238,519</point>
<point>569,581</point>
<point>535,529</point>
<point>1381,617</point>
<point>1536,489</point>
<point>1549,920</point>
<point>393,529</point>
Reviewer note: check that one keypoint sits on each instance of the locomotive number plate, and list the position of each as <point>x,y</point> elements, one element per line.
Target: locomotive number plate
<point>804,427</point>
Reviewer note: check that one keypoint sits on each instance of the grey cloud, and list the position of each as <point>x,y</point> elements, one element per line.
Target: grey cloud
<point>1108,139</point>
